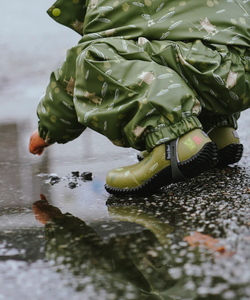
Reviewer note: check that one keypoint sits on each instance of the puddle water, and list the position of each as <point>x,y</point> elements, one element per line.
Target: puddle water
<point>62,236</point>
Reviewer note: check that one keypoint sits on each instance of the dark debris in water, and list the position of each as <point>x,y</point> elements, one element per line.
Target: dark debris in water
<point>86,176</point>
<point>74,177</point>
<point>72,185</point>
<point>53,179</point>
<point>75,174</point>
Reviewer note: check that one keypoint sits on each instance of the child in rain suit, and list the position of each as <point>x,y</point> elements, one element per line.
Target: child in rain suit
<point>168,78</point>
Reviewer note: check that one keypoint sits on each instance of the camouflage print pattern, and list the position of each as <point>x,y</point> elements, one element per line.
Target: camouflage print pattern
<point>146,72</point>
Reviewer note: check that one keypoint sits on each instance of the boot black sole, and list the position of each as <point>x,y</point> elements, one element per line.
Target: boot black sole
<point>202,161</point>
<point>230,154</point>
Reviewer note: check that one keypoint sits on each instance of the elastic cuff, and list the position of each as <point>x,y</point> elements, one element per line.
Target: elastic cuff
<point>70,134</point>
<point>168,133</point>
<point>210,122</point>
<point>44,135</point>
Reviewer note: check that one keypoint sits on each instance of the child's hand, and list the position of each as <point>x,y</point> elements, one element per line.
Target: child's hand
<point>37,144</point>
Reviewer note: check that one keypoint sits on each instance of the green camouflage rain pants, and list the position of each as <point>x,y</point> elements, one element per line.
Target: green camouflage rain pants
<point>143,93</point>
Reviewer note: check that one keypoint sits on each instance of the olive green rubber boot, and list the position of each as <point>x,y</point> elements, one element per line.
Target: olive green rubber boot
<point>181,159</point>
<point>228,143</point>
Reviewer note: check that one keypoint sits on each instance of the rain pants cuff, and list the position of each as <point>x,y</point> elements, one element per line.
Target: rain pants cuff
<point>164,133</point>
<point>210,122</point>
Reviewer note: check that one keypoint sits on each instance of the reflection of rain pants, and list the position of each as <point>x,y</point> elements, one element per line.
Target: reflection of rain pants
<point>72,243</point>
<point>135,260</point>
<point>141,92</point>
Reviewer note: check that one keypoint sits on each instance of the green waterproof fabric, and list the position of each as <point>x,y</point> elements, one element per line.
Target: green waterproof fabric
<point>146,72</point>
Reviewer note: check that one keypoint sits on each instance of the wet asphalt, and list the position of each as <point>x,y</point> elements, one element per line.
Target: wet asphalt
<point>97,246</point>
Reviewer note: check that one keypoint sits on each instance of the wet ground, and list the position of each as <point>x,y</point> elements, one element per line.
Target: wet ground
<point>96,246</point>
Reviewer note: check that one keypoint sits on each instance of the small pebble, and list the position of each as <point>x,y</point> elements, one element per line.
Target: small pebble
<point>86,176</point>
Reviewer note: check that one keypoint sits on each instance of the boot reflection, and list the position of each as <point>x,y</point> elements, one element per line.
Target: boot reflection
<point>130,259</point>
<point>149,221</point>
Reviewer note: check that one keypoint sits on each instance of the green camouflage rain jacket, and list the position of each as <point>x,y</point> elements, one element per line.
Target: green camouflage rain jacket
<point>144,70</point>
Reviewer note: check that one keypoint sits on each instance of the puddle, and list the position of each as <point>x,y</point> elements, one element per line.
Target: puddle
<point>190,241</point>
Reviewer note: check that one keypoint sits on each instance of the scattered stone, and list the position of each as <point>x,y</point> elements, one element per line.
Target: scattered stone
<point>86,176</point>
<point>75,174</point>
<point>72,185</point>
<point>53,179</point>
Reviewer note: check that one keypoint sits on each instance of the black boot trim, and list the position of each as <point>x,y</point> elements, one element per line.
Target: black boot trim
<point>176,174</point>
<point>230,154</point>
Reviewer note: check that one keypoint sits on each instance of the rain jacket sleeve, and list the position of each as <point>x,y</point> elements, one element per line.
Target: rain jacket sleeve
<point>56,111</point>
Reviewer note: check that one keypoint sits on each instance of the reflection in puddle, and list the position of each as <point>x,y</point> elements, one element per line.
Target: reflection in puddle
<point>190,241</point>
<point>145,264</point>
<point>134,264</point>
